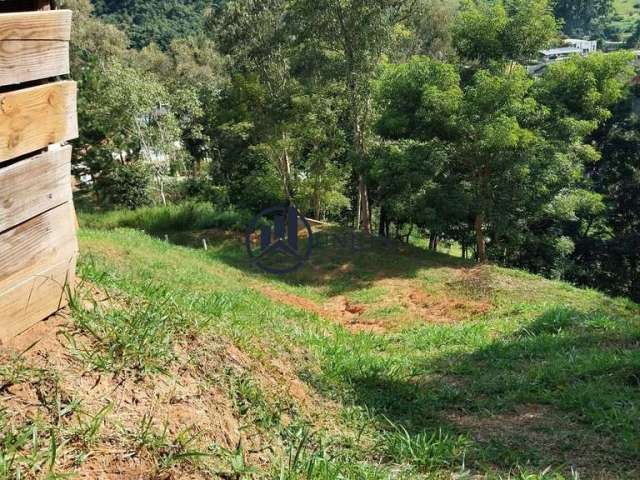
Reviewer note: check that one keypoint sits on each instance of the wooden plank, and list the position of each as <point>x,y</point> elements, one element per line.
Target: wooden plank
<point>33,186</point>
<point>34,299</point>
<point>35,246</point>
<point>33,118</point>
<point>43,25</point>
<point>27,60</point>
<point>34,45</point>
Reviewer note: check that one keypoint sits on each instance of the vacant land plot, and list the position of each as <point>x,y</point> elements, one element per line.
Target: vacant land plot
<point>175,362</point>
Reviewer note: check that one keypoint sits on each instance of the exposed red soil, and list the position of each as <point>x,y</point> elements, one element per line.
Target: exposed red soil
<point>338,309</point>
<point>420,306</point>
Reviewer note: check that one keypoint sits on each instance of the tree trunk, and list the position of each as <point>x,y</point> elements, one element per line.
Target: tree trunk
<point>161,185</point>
<point>286,169</point>
<point>433,242</point>
<point>317,207</point>
<point>365,212</point>
<point>383,222</point>
<point>481,243</point>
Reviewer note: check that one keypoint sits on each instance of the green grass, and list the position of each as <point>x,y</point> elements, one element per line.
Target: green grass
<point>161,220</point>
<point>626,7</point>
<point>627,13</point>
<point>546,380</point>
<point>571,352</point>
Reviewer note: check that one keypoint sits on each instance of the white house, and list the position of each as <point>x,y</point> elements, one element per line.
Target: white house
<point>571,47</point>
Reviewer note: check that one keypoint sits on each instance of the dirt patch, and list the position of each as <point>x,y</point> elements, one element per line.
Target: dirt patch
<point>417,306</point>
<point>338,309</point>
<point>429,306</point>
<point>444,309</point>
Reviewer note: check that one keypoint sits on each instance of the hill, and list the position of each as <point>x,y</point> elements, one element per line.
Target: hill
<point>176,362</point>
<point>627,14</point>
<point>157,21</point>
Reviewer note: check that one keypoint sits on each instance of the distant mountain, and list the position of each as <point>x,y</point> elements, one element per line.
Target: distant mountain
<point>158,21</point>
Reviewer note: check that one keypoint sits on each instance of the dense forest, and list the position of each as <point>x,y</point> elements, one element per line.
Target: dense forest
<point>416,119</point>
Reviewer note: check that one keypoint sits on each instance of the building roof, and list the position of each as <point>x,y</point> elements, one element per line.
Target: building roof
<point>560,51</point>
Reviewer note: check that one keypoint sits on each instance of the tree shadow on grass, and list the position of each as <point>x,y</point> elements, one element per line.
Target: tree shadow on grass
<point>336,267</point>
<point>562,391</point>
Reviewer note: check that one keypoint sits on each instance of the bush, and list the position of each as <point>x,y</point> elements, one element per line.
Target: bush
<point>202,190</point>
<point>125,185</point>
<point>172,218</point>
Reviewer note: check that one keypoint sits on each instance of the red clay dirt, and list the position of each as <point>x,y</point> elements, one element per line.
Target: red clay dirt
<point>418,305</point>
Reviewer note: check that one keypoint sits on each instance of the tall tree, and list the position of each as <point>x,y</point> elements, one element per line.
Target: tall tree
<point>582,17</point>
<point>504,31</point>
<point>353,35</point>
<point>495,37</point>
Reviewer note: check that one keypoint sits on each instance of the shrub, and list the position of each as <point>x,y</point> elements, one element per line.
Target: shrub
<point>125,185</point>
<point>172,218</point>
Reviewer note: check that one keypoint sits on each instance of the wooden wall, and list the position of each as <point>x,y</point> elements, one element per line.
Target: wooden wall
<point>38,245</point>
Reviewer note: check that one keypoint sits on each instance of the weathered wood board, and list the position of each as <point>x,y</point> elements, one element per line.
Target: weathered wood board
<point>35,299</point>
<point>34,45</point>
<point>44,25</point>
<point>33,118</point>
<point>33,186</point>
<point>25,60</point>
<point>36,245</point>
<point>38,259</point>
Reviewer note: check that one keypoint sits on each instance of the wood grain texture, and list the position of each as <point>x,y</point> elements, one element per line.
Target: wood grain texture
<point>33,186</point>
<point>43,25</point>
<point>33,118</point>
<point>34,299</point>
<point>35,246</point>
<point>27,60</point>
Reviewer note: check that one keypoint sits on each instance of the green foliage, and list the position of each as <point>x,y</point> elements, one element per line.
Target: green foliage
<point>608,239</point>
<point>125,185</point>
<point>418,99</point>
<point>157,21</point>
<point>634,40</point>
<point>586,88</point>
<point>583,17</point>
<point>414,115</point>
<point>511,30</point>
<point>167,219</point>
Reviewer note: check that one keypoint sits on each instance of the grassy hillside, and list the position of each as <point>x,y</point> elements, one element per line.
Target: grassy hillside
<point>627,13</point>
<point>177,362</point>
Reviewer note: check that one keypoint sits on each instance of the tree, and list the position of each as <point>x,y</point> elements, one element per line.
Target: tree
<point>633,41</point>
<point>352,35</point>
<point>125,122</point>
<point>582,17</point>
<point>503,31</point>
<point>92,41</point>
<point>196,74</point>
<point>155,21</point>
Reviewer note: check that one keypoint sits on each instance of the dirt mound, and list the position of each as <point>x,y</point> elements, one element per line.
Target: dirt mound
<point>338,309</point>
<point>444,309</point>
<point>417,304</point>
